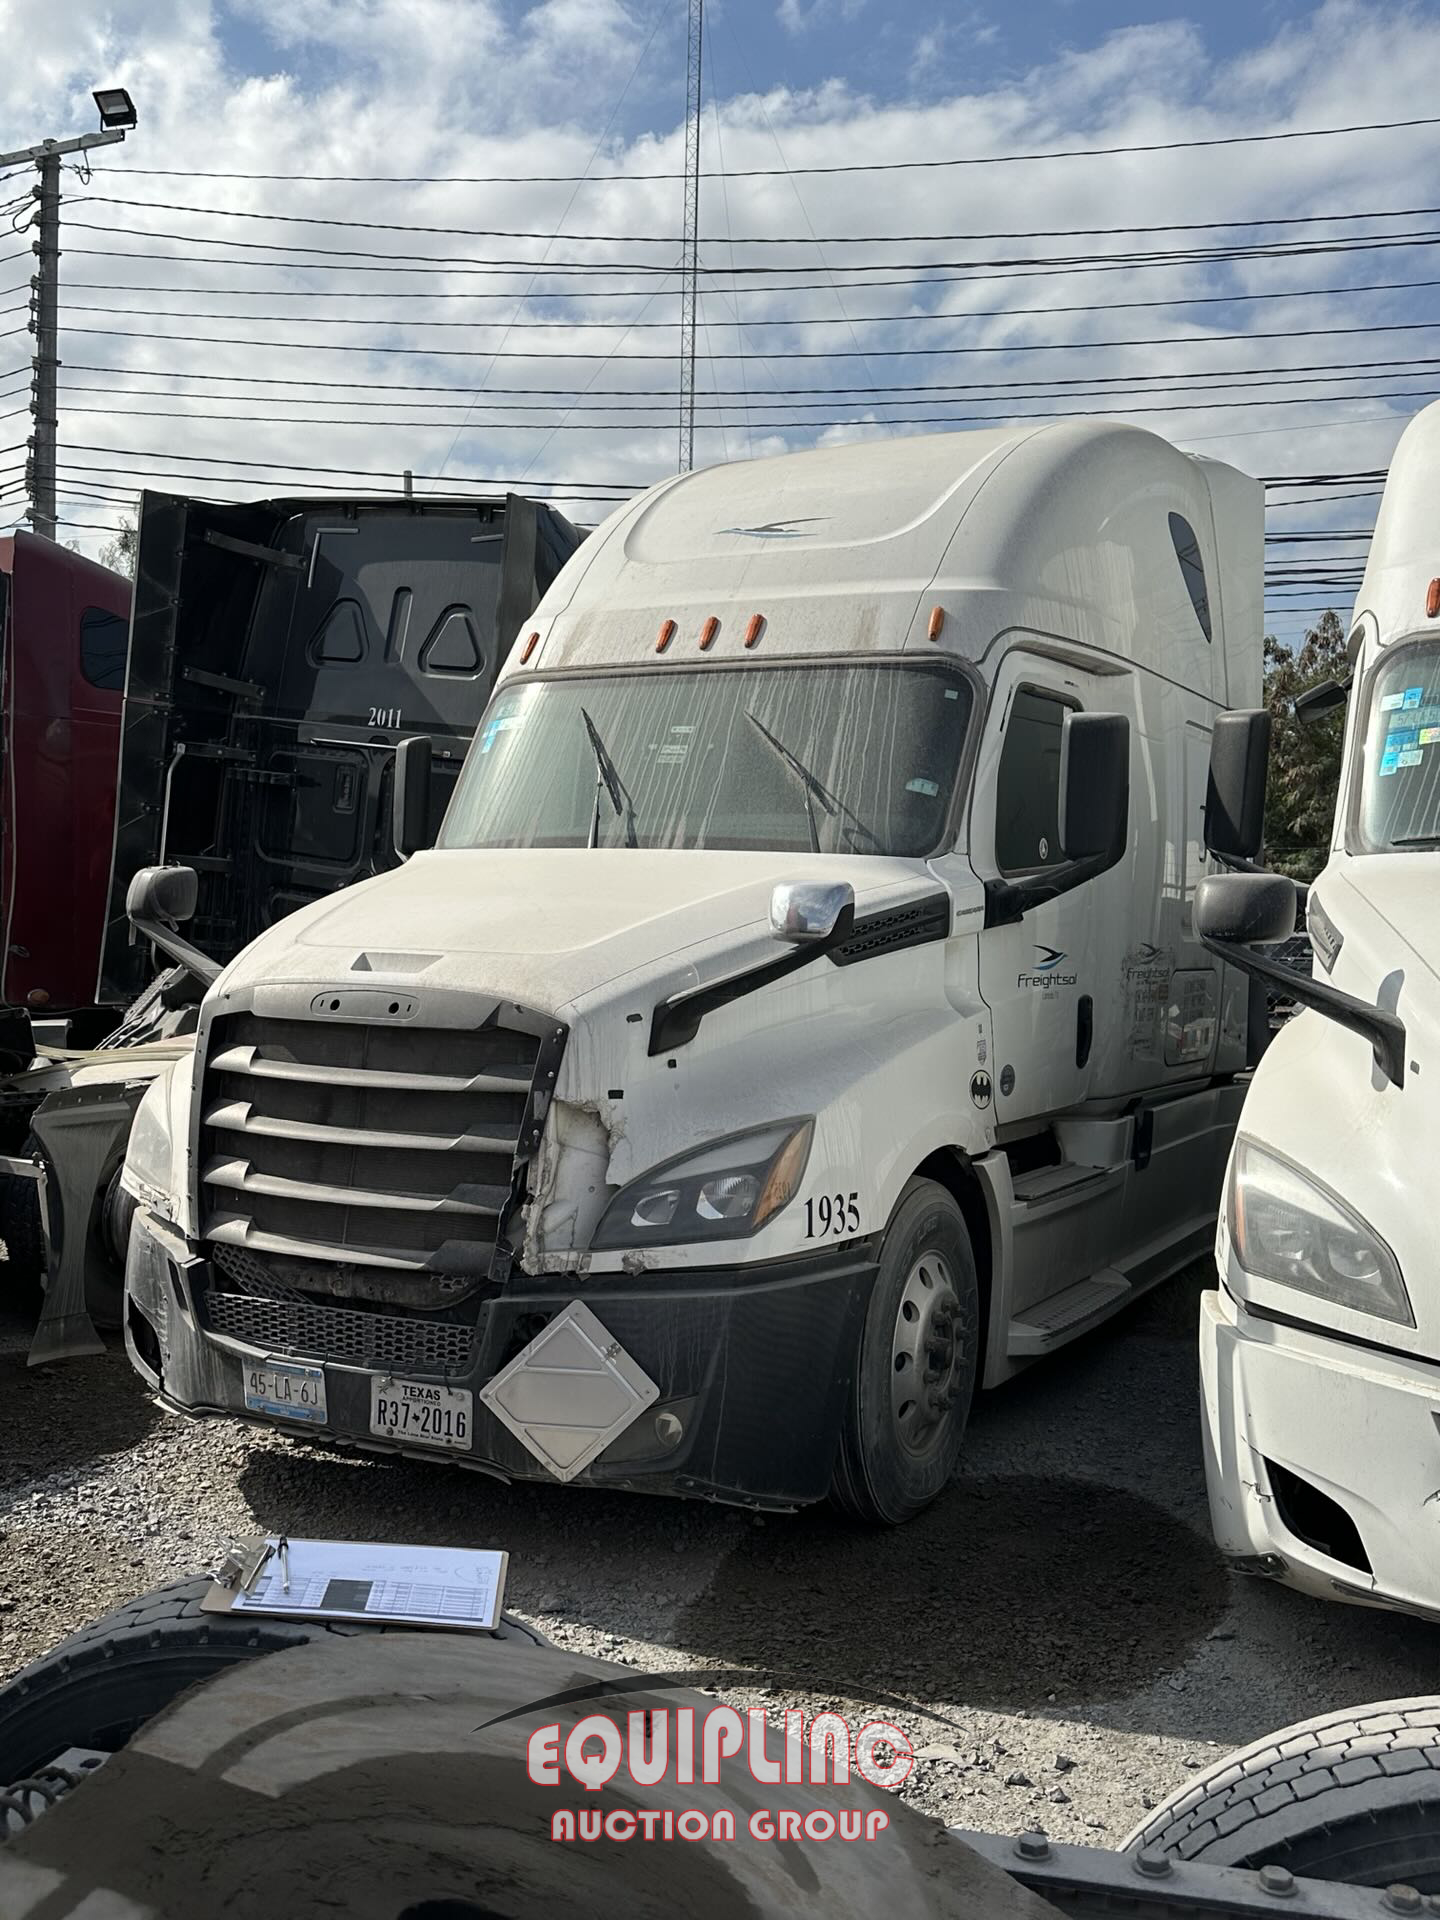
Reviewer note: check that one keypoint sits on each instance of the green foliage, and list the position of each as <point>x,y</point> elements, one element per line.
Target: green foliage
<point>1304,761</point>
<point>119,553</point>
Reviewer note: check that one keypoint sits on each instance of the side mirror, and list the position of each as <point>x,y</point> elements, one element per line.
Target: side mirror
<point>1235,797</point>
<point>156,901</point>
<point>1317,701</point>
<point>1236,914</point>
<point>410,808</point>
<point>809,910</point>
<point>163,893</point>
<point>1253,908</point>
<point>1094,786</point>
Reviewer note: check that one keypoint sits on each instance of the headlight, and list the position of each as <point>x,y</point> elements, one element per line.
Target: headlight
<point>724,1191</point>
<point>146,1173</point>
<point>1286,1227</point>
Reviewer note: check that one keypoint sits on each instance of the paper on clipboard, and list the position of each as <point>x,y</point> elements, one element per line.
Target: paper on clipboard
<point>366,1580</point>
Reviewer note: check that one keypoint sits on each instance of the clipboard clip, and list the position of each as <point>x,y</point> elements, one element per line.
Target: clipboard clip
<point>240,1568</point>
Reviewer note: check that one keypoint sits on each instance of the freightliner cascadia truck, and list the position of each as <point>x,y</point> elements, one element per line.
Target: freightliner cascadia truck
<point>1320,1346</point>
<point>797,1023</point>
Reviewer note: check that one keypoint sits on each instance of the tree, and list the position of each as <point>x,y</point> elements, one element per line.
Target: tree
<point>119,554</point>
<point>1304,761</point>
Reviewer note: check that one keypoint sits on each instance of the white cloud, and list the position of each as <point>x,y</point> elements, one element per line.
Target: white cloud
<point>804,16</point>
<point>434,87</point>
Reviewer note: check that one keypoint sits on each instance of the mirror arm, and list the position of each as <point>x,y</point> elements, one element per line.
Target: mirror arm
<point>163,935</point>
<point>1008,901</point>
<point>1384,1031</point>
<point>677,1020</point>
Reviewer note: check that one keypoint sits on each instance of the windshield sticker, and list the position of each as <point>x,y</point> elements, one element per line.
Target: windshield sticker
<point>1413,758</point>
<point>502,724</point>
<point>929,788</point>
<point>1388,763</point>
<point>1413,697</point>
<point>1429,735</point>
<point>1405,737</point>
<point>1391,702</point>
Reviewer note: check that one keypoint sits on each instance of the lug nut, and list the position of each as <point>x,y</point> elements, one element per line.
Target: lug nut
<point>1277,1880</point>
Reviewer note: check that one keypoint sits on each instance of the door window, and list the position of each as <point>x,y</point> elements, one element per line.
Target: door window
<point>1027,791</point>
<point>104,639</point>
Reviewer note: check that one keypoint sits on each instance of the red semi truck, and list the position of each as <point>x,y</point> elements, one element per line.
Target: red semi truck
<point>64,622</point>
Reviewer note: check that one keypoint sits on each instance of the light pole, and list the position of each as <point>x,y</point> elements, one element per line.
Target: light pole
<point>117,116</point>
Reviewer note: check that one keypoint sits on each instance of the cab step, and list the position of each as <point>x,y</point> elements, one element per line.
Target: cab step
<point>1048,1324</point>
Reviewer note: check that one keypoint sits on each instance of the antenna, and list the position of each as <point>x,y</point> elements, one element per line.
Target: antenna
<point>690,254</point>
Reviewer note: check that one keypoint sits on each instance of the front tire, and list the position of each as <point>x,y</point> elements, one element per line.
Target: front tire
<point>1351,1796</point>
<point>916,1367</point>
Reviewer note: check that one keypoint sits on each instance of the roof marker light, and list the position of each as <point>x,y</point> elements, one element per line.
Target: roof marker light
<point>937,622</point>
<point>755,629</point>
<point>708,633</point>
<point>665,635</point>
<point>529,647</point>
<point>1432,599</point>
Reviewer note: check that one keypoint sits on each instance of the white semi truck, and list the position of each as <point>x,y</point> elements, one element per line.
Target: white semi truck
<point>1320,1348</point>
<point>799,1021</point>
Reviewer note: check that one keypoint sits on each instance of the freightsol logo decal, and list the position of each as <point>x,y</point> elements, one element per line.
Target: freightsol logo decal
<point>1045,973</point>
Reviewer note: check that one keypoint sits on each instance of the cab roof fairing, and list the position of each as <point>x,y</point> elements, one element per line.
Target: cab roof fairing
<point>1404,555</point>
<point>1058,529</point>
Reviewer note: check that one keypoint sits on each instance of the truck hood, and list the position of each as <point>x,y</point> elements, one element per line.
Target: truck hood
<point>545,926</point>
<point>1399,890</point>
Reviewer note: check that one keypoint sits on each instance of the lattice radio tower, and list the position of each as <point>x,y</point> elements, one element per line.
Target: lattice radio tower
<point>690,255</point>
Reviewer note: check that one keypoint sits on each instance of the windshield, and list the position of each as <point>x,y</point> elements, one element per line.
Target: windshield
<point>1400,781</point>
<point>834,759</point>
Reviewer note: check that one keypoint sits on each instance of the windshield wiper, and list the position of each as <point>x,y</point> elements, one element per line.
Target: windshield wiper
<point>1417,840</point>
<point>606,775</point>
<point>814,788</point>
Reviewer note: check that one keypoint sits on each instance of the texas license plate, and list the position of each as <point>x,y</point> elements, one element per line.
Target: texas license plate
<point>428,1415</point>
<point>286,1393</point>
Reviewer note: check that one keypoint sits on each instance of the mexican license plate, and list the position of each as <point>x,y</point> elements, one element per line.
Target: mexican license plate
<point>429,1415</point>
<point>286,1393</point>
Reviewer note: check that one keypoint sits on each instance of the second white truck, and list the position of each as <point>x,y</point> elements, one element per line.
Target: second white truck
<point>1320,1346</point>
<point>798,1023</point>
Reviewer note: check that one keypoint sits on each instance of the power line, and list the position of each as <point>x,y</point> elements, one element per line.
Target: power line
<point>1283,249</point>
<point>790,353</point>
<point>765,240</point>
<point>955,316</point>
<point>765,173</point>
<point>1028,267</point>
<point>589,425</point>
<point>1409,368</point>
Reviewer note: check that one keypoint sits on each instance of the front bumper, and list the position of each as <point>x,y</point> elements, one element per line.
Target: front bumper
<point>756,1362</point>
<point>1359,1428</point>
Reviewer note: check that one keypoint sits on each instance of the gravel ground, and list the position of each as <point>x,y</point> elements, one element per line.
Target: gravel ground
<point>1056,1634</point>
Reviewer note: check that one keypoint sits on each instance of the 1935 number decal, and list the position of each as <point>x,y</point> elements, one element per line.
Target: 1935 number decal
<point>837,1213</point>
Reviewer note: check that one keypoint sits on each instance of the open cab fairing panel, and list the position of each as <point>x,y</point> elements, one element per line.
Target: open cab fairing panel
<point>279,651</point>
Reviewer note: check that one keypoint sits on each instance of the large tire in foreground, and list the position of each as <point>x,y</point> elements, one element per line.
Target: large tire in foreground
<point>1352,1796</point>
<point>915,1372</point>
<point>96,1688</point>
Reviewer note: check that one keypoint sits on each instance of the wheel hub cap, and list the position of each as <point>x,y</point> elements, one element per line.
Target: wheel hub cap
<point>927,1352</point>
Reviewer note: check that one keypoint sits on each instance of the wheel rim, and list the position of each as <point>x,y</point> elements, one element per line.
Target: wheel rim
<point>926,1355</point>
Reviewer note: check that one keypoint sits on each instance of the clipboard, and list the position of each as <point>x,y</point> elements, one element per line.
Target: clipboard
<point>460,1588</point>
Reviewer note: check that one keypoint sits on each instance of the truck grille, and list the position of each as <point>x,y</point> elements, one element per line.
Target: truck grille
<point>383,1153</point>
<point>401,1341</point>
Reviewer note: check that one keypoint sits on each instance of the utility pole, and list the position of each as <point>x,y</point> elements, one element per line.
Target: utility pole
<point>117,116</point>
<point>690,253</point>
<point>44,415</point>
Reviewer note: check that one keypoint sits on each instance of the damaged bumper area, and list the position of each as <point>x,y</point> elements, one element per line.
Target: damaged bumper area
<point>752,1365</point>
<point>1323,1460</point>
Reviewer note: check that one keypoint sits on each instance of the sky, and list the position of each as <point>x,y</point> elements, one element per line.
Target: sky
<point>481,329</point>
